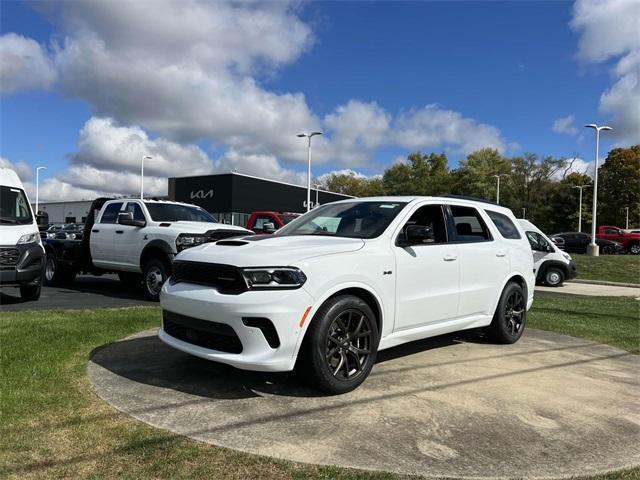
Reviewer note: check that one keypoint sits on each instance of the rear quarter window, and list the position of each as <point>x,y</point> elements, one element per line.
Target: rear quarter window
<point>504,225</point>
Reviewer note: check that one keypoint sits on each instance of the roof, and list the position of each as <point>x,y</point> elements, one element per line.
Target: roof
<point>444,199</point>
<point>9,178</point>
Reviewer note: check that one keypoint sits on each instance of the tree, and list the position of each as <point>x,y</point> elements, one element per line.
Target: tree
<point>353,184</point>
<point>619,187</point>
<point>422,174</point>
<point>475,175</point>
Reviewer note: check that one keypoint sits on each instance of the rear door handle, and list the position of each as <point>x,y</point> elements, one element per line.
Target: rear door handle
<point>119,231</point>
<point>450,257</point>
<point>500,253</point>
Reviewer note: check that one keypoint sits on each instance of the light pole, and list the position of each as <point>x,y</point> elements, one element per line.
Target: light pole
<point>308,136</point>
<point>524,213</point>
<point>497,177</point>
<point>592,248</point>
<point>627,210</point>
<point>38,187</point>
<point>142,175</point>
<point>580,187</point>
<point>317,185</point>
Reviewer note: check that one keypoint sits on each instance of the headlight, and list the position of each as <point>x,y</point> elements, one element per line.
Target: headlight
<point>265,278</point>
<point>51,235</point>
<point>29,238</point>
<point>71,236</point>
<point>187,240</point>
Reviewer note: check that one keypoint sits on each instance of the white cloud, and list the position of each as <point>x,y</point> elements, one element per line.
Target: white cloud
<point>24,65</point>
<point>609,31</point>
<point>23,169</point>
<point>574,165</point>
<point>565,125</point>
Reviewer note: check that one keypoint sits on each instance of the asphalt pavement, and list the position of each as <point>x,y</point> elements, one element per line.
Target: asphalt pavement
<point>86,292</point>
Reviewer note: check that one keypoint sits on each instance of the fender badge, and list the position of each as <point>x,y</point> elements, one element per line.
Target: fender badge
<point>387,272</point>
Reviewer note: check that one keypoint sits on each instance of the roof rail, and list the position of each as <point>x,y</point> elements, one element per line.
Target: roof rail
<point>473,199</point>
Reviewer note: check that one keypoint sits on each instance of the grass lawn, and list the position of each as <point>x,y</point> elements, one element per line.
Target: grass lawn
<point>53,426</point>
<point>612,268</point>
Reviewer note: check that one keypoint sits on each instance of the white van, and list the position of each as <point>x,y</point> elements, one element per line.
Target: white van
<point>551,265</point>
<point>21,252</point>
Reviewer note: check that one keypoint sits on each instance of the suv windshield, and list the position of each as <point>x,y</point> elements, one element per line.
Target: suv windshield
<point>353,220</point>
<point>172,212</point>
<point>14,208</point>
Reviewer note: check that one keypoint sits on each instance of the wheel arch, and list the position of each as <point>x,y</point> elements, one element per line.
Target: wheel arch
<point>542,271</point>
<point>156,249</point>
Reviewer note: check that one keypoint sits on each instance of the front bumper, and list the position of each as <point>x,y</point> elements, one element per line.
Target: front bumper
<point>27,270</point>
<point>572,270</point>
<point>283,308</point>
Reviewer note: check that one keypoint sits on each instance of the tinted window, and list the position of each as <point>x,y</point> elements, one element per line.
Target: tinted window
<point>611,231</point>
<point>110,214</point>
<point>469,225</point>
<point>537,241</point>
<point>136,209</point>
<point>260,221</point>
<point>432,217</point>
<point>504,225</point>
<point>352,219</point>
<point>172,212</point>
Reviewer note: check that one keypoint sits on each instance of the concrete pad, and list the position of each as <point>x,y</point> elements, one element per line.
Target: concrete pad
<point>549,406</point>
<point>591,289</point>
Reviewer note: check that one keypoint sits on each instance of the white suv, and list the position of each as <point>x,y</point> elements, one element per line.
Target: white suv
<point>348,279</point>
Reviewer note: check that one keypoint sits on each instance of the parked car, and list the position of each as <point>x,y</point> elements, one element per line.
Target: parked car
<point>576,242</point>
<point>51,230</point>
<point>630,241</point>
<point>266,222</point>
<point>137,239</point>
<point>70,231</point>
<point>21,252</point>
<point>551,265</point>
<point>329,290</point>
<point>558,242</point>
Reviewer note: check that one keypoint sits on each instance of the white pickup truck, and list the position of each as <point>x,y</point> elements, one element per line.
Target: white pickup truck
<point>137,239</point>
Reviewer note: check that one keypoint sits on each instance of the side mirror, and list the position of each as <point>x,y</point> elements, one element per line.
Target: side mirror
<point>268,227</point>
<point>620,233</point>
<point>417,235</point>
<point>126,218</point>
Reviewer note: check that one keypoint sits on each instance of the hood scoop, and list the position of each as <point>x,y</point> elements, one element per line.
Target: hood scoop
<point>232,243</point>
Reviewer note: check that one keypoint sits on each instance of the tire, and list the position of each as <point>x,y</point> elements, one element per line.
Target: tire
<point>634,249</point>
<point>130,279</point>
<point>30,293</point>
<point>510,317</point>
<point>53,274</point>
<point>326,363</point>
<point>608,250</point>
<point>553,277</point>
<point>154,274</point>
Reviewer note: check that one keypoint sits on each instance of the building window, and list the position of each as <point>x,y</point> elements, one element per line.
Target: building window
<point>69,219</point>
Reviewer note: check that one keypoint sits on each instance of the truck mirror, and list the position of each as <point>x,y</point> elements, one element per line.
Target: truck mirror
<point>126,218</point>
<point>268,227</point>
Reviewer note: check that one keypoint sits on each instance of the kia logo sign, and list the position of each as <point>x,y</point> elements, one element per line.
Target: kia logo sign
<point>201,194</point>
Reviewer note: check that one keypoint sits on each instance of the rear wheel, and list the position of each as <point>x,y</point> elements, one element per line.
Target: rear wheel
<point>54,274</point>
<point>634,249</point>
<point>510,317</point>
<point>155,273</point>
<point>340,346</point>
<point>30,293</point>
<point>554,277</point>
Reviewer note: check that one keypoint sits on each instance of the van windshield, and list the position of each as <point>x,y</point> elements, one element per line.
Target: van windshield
<point>14,207</point>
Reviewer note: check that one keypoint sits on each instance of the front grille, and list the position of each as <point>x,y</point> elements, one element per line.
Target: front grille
<point>203,333</point>
<point>224,278</point>
<point>9,257</point>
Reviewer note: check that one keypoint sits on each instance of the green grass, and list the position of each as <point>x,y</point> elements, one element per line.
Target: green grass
<point>611,320</point>
<point>53,425</point>
<point>612,268</point>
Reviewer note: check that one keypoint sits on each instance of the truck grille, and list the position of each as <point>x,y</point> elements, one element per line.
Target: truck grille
<point>9,257</point>
<point>224,278</point>
<point>203,333</point>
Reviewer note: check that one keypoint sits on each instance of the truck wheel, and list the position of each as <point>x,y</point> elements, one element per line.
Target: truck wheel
<point>340,346</point>
<point>554,277</point>
<point>511,315</point>
<point>30,293</point>
<point>634,249</point>
<point>154,275</point>
<point>53,274</point>
<point>130,279</point>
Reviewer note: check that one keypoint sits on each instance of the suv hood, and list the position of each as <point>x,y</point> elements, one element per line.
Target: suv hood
<point>200,227</point>
<point>269,250</point>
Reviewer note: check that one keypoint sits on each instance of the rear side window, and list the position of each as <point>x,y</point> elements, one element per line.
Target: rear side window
<point>504,225</point>
<point>110,214</point>
<point>470,226</point>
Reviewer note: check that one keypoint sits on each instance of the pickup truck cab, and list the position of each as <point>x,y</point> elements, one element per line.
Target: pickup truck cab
<point>630,241</point>
<point>137,239</point>
<point>269,222</point>
<point>347,279</point>
<point>21,252</point>
<point>551,265</point>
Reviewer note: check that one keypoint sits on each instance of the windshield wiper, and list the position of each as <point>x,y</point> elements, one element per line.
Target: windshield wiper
<point>8,220</point>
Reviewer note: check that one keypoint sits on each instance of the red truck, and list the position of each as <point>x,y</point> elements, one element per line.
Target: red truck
<point>269,222</point>
<point>630,241</point>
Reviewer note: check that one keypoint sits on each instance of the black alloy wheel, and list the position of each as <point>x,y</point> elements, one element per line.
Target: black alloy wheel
<point>510,317</point>
<point>349,344</point>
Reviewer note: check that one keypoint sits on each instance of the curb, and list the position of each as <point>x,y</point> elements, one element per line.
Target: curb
<point>604,282</point>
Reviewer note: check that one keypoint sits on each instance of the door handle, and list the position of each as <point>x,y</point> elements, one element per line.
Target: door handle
<point>119,231</point>
<point>450,257</point>
<point>95,231</point>
<point>500,253</point>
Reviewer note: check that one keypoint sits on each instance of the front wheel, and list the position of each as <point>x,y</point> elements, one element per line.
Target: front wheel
<point>340,346</point>
<point>554,277</point>
<point>510,317</point>
<point>608,250</point>
<point>153,277</point>
<point>30,293</point>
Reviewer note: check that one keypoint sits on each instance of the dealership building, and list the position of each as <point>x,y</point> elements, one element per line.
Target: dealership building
<point>230,197</point>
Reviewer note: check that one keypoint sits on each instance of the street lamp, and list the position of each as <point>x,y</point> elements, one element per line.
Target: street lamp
<point>497,177</point>
<point>308,136</point>
<point>592,248</point>
<point>627,210</point>
<point>38,187</point>
<point>580,187</point>
<point>317,185</point>
<point>142,176</point>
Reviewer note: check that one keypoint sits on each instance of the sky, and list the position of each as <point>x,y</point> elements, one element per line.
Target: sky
<point>88,88</point>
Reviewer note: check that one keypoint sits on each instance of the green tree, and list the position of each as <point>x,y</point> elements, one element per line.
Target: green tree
<point>421,174</point>
<point>619,187</point>
<point>353,184</point>
<point>475,175</point>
